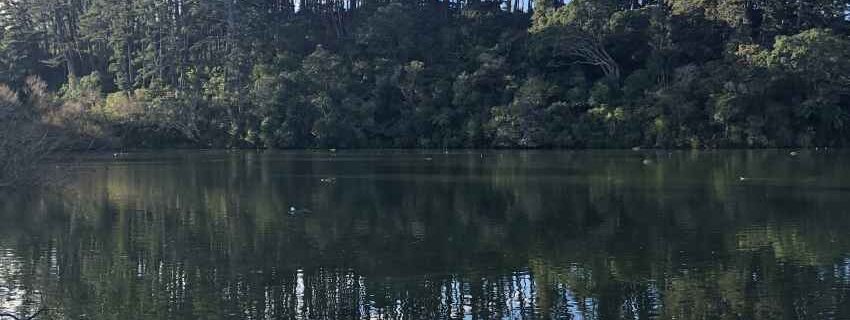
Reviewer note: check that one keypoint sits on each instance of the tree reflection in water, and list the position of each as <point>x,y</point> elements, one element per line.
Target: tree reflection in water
<point>567,235</point>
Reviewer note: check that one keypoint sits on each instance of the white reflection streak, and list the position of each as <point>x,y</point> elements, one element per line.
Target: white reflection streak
<point>455,294</point>
<point>590,307</point>
<point>443,299</point>
<point>271,303</point>
<point>529,293</point>
<point>140,268</point>
<point>363,306</point>
<point>513,296</point>
<point>399,309</point>
<point>299,294</point>
<point>54,262</point>
<point>9,265</point>
<point>631,304</point>
<point>467,301</point>
<point>522,295</point>
<point>572,303</point>
<point>183,281</point>
<point>657,301</point>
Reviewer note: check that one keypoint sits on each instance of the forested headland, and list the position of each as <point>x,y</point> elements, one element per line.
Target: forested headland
<point>424,74</point>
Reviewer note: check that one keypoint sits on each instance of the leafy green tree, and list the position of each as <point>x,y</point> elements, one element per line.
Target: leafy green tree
<point>522,123</point>
<point>578,31</point>
<point>810,69</point>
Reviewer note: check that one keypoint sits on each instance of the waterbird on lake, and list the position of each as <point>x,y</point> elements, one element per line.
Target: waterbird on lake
<point>294,211</point>
<point>328,180</point>
<point>794,153</point>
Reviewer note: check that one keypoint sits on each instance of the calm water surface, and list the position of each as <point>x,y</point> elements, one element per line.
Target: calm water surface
<point>419,235</point>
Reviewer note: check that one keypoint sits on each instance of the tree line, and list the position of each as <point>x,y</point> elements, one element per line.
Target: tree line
<point>429,74</point>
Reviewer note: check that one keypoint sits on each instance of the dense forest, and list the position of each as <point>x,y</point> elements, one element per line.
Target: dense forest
<point>425,74</point>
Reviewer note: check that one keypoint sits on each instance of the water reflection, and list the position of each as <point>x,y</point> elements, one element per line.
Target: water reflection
<point>466,235</point>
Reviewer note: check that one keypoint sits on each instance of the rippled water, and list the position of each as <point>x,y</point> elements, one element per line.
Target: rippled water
<point>433,235</point>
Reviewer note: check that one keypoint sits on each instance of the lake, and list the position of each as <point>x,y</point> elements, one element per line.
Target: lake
<point>434,235</point>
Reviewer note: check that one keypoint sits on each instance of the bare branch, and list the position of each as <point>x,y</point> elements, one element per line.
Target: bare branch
<point>589,50</point>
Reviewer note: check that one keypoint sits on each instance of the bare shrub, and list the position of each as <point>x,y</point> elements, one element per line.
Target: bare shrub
<point>25,143</point>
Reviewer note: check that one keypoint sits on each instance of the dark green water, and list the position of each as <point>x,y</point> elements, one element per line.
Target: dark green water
<point>417,235</point>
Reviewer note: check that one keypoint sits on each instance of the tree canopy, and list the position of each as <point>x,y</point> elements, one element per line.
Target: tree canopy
<point>434,74</point>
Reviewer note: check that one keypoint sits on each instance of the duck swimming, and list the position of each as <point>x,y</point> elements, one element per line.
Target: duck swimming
<point>293,211</point>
